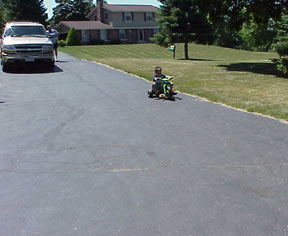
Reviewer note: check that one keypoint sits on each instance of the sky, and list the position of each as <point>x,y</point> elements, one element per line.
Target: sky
<point>50,4</point>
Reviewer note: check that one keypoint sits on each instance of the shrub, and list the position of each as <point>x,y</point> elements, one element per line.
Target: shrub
<point>256,37</point>
<point>72,38</point>
<point>281,48</point>
<point>115,41</point>
<point>283,65</point>
<point>62,43</point>
<point>96,42</point>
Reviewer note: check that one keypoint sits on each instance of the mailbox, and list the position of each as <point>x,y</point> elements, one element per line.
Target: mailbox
<point>172,48</point>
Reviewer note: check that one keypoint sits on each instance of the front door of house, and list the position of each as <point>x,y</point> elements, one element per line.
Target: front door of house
<point>141,35</point>
<point>103,35</point>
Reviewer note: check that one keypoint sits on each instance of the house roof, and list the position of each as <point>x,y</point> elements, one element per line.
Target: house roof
<point>126,8</point>
<point>130,8</point>
<point>84,25</point>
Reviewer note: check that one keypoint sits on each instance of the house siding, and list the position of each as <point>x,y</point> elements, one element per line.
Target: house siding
<point>132,35</point>
<point>138,21</point>
<point>113,34</point>
<point>109,20</point>
<point>79,34</point>
<point>148,33</point>
<point>94,35</point>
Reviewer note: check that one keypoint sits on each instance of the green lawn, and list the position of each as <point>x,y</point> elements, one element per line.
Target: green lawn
<point>246,80</point>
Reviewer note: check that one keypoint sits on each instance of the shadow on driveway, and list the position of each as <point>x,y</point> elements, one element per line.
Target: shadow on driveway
<point>33,70</point>
<point>173,99</point>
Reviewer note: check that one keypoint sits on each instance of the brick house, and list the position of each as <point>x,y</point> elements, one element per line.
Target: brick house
<point>114,22</point>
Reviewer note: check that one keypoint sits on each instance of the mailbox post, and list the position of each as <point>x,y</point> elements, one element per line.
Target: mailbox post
<point>173,49</point>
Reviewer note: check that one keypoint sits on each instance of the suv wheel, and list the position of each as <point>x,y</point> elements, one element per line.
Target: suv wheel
<point>5,67</point>
<point>51,66</point>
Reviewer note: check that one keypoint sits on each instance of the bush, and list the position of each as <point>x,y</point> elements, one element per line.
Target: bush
<point>115,41</point>
<point>256,37</point>
<point>281,48</point>
<point>72,38</point>
<point>283,65</point>
<point>62,43</point>
<point>227,39</point>
<point>96,42</point>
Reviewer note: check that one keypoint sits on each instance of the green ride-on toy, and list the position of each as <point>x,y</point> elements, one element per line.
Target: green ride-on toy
<point>162,88</point>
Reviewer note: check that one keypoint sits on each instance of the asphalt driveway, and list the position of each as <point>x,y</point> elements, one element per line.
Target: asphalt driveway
<point>83,151</point>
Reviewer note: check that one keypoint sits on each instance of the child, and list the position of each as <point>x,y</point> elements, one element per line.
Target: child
<point>156,86</point>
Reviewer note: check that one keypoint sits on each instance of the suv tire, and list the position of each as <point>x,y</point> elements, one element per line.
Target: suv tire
<point>51,66</point>
<point>5,67</point>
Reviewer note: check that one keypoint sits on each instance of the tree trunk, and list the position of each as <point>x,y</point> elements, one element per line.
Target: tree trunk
<point>186,51</point>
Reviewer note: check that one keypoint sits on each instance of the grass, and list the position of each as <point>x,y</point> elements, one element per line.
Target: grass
<point>242,79</point>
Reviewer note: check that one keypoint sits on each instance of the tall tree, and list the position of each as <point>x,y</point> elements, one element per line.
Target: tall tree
<point>239,11</point>
<point>182,22</point>
<point>28,10</point>
<point>2,18</point>
<point>226,36</point>
<point>257,37</point>
<point>71,10</point>
<point>281,47</point>
<point>252,16</point>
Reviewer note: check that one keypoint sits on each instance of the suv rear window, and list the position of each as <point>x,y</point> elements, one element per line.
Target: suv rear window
<point>25,31</point>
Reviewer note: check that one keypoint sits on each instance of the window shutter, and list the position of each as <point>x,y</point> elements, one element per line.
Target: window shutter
<point>123,16</point>
<point>132,15</point>
<point>144,16</point>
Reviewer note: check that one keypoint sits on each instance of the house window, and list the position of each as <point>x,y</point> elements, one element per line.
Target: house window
<point>149,16</point>
<point>128,16</point>
<point>106,16</point>
<point>122,34</point>
<point>155,31</point>
<point>85,35</point>
<point>103,35</point>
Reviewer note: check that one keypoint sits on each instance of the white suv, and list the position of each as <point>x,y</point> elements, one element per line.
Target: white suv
<point>26,42</point>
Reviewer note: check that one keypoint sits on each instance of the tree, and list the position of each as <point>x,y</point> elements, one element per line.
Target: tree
<point>2,18</point>
<point>25,10</point>
<point>252,17</point>
<point>256,37</point>
<point>239,11</point>
<point>281,47</point>
<point>72,38</point>
<point>71,10</point>
<point>182,22</point>
<point>225,36</point>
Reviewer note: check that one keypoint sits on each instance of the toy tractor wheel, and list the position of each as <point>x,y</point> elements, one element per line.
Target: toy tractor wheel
<point>168,94</point>
<point>150,94</point>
